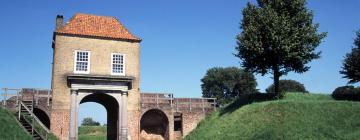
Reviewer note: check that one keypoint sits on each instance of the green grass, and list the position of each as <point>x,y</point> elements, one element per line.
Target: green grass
<point>297,116</point>
<point>92,133</point>
<point>10,129</point>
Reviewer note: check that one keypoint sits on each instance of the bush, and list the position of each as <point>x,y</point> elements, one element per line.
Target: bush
<point>347,93</point>
<point>287,86</point>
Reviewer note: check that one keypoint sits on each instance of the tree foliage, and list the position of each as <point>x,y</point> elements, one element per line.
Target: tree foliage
<point>88,121</point>
<point>287,86</point>
<point>278,36</point>
<point>351,64</point>
<point>227,83</point>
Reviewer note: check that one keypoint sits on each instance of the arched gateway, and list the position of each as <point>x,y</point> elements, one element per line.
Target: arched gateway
<point>112,95</point>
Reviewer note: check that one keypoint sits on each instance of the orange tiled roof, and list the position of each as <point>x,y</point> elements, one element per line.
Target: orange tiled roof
<point>97,26</point>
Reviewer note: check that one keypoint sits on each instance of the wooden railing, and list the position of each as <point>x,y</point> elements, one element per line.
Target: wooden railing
<point>36,124</point>
<point>36,94</point>
<point>9,96</point>
<point>194,103</point>
<point>166,100</point>
<point>8,93</point>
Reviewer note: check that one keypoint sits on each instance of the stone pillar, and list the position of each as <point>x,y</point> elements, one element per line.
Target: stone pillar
<point>73,116</point>
<point>124,116</point>
<point>77,116</point>
<point>119,117</point>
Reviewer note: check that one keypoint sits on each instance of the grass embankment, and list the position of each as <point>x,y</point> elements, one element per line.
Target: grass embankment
<point>92,133</point>
<point>297,116</point>
<point>9,128</point>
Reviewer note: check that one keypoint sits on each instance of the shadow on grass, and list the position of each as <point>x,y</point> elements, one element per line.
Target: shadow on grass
<point>247,99</point>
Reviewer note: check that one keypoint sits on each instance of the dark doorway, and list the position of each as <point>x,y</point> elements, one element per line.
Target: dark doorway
<point>155,123</point>
<point>43,117</point>
<point>178,122</point>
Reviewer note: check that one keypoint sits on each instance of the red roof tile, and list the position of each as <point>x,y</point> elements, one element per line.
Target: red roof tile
<point>97,26</point>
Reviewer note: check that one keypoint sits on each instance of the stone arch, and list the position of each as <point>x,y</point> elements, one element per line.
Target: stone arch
<point>154,124</point>
<point>112,107</point>
<point>43,116</point>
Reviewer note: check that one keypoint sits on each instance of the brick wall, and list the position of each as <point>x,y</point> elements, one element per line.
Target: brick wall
<point>60,119</point>
<point>190,120</point>
<point>134,124</point>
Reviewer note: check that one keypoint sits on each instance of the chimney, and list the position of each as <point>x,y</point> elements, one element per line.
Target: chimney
<point>59,22</point>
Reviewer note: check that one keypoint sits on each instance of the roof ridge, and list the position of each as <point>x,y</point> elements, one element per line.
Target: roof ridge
<point>97,26</point>
<point>78,13</point>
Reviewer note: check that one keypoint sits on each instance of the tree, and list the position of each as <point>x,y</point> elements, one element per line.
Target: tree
<point>89,122</point>
<point>351,64</point>
<point>287,86</point>
<point>278,36</point>
<point>225,84</point>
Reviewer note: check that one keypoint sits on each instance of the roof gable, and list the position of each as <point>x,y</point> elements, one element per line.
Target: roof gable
<point>96,26</point>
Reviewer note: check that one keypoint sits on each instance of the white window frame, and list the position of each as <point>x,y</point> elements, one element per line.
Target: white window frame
<point>75,60</point>
<point>124,64</point>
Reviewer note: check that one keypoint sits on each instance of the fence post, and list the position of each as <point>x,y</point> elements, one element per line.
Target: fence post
<point>157,100</point>
<point>19,111</point>
<point>171,100</point>
<point>32,103</point>
<point>203,107</point>
<point>17,97</point>
<point>20,94</point>
<point>177,105</point>
<point>4,101</point>
<point>48,98</point>
<point>190,103</point>
<point>32,126</point>
<point>37,98</point>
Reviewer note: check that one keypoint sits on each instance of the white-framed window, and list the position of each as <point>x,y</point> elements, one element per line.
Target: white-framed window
<point>82,62</point>
<point>117,64</point>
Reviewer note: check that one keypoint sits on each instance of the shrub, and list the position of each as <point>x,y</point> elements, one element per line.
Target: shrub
<point>288,86</point>
<point>347,93</point>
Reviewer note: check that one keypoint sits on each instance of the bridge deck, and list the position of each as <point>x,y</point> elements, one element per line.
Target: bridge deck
<point>167,101</point>
<point>43,98</point>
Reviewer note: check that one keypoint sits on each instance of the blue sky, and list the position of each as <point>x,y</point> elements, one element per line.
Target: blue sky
<point>181,40</point>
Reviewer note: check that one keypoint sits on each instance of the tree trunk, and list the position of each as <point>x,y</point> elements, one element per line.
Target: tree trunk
<point>276,80</point>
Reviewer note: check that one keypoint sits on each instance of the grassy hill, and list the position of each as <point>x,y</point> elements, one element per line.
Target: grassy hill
<point>10,129</point>
<point>92,133</point>
<point>297,116</point>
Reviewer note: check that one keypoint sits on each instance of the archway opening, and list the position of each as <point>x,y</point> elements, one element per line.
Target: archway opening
<point>154,124</point>
<point>43,117</point>
<point>92,120</point>
<point>111,106</point>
